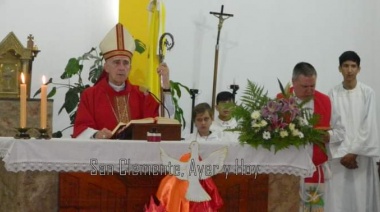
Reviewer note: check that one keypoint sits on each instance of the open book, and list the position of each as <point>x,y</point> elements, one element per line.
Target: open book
<point>120,128</point>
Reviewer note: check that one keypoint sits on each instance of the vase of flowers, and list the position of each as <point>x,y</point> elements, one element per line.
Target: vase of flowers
<point>277,123</point>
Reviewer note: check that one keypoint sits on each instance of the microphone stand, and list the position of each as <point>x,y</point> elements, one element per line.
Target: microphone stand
<point>193,93</point>
<point>234,89</point>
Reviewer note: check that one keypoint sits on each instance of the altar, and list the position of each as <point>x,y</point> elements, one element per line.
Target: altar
<point>47,175</point>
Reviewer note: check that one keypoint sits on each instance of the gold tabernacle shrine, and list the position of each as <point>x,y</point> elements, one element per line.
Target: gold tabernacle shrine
<point>14,59</point>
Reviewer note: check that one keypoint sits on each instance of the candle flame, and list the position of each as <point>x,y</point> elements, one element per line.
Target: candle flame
<point>43,79</point>
<point>22,78</point>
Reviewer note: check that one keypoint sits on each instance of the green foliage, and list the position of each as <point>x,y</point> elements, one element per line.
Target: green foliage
<point>176,95</point>
<point>275,123</point>
<point>252,97</point>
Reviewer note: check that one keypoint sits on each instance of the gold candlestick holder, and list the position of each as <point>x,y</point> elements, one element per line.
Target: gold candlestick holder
<point>22,133</point>
<point>43,134</point>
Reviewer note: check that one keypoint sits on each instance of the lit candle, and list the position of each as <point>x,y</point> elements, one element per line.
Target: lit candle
<point>22,102</point>
<point>43,103</point>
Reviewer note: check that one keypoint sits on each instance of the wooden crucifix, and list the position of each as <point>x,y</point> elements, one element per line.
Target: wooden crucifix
<point>221,16</point>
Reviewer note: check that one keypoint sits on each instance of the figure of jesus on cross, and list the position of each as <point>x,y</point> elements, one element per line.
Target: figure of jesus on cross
<point>221,16</point>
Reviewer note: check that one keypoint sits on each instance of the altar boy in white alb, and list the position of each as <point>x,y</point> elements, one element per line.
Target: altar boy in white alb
<point>203,117</point>
<point>224,121</point>
<point>354,184</point>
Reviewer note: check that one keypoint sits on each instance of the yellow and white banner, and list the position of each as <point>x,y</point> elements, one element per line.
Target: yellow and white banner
<point>145,20</point>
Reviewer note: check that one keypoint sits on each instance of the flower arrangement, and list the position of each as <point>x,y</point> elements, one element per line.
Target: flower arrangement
<point>278,123</point>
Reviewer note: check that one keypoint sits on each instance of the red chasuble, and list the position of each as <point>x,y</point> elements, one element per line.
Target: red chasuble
<point>322,107</point>
<point>102,107</point>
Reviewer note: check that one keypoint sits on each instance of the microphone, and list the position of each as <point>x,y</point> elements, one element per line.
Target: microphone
<point>147,91</point>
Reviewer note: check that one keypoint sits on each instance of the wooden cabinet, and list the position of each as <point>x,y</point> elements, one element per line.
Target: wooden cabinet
<point>85,192</point>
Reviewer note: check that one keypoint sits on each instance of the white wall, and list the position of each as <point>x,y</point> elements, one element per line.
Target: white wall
<point>61,29</point>
<point>262,42</point>
<point>265,39</point>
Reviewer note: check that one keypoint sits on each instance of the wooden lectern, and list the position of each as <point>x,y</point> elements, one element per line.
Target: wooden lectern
<point>138,131</point>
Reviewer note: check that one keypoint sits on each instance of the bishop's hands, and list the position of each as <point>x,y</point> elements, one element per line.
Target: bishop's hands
<point>163,72</point>
<point>349,161</point>
<point>103,134</point>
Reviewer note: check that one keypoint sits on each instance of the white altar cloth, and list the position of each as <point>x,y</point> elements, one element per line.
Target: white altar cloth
<point>80,155</point>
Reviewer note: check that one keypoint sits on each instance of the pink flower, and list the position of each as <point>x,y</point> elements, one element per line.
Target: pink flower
<point>290,107</point>
<point>271,108</point>
<point>276,122</point>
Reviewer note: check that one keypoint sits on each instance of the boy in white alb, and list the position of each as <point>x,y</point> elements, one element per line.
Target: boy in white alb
<point>224,120</point>
<point>354,184</point>
<point>203,116</point>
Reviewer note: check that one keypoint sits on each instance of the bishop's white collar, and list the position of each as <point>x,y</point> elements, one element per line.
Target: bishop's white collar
<point>117,87</point>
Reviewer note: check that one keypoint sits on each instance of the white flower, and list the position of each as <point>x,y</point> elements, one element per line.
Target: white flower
<point>296,132</point>
<point>283,133</point>
<point>255,115</point>
<point>255,125</point>
<point>266,135</point>
<point>301,135</point>
<point>302,121</point>
<point>263,123</point>
<point>292,126</point>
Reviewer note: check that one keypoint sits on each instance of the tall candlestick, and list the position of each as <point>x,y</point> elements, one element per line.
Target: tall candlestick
<point>43,103</point>
<point>22,102</point>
